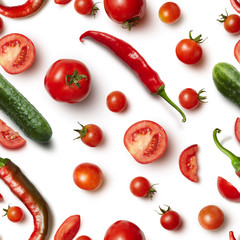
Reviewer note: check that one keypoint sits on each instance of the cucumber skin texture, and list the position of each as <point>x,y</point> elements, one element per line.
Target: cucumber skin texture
<point>227,81</point>
<point>23,113</point>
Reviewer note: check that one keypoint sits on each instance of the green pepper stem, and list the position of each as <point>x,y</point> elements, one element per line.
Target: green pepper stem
<point>161,92</point>
<point>3,162</point>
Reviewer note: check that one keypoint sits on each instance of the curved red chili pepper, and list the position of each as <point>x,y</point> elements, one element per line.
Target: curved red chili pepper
<point>26,9</point>
<point>20,185</point>
<point>231,236</point>
<point>236,5</point>
<point>136,62</point>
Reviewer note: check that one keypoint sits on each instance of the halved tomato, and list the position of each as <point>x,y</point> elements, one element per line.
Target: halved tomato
<point>237,51</point>
<point>9,138</point>
<point>188,163</point>
<point>146,141</point>
<point>237,129</point>
<point>17,53</point>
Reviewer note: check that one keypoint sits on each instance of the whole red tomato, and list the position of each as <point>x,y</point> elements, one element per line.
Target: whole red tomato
<point>169,12</point>
<point>88,176</point>
<point>116,101</point>
<point>68,80</point>
<point>189,51</point>
<point>124,230</point>
<point>14,213</point>
<point>125,12</point>
<point>231,22</point>
<point>85,7</point>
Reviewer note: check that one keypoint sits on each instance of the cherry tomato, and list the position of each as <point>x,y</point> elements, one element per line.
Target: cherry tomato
<point>69,228</point>
<point>124,230</point>
<point>189,51</point>
<point>231,236</point>
<point>1,197</point>
<point>1,25</point>
<point>169,12</point>
<point>62,2</point>
<point>237,51</point>
<point>227,190</point>
<point>231,22</point>
<point>140,187</point>
<point>128,13</point>
<point>83,237</point>
<point>170,219</point>
<point>189,98</point>
<point>14,214</point>
<point>88,176</point>
<point>146,141</point>
<point>68,80</point>
<point>17,53</point>
<point>237,129</point>
<point>211,217</point>
<point>85,7</point>
<point>116,101</point>
<point>188,163</point>
<point>90,134</point>
<point>9,138</point>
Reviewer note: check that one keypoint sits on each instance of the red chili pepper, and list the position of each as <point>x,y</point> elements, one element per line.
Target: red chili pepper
<point>26,9</point>
<point>231,236</point>
<point>136,62</point>
<point>236,5</point>
<point>20,185</point>
<point>1,197</point>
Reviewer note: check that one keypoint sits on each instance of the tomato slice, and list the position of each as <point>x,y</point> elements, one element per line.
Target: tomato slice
<point>188,163</point>
<point>237,129</point>
<point>9,138</point>
<point>227,190</point>
<point>17,53</point>
<point>68,228</point>
<point>146,141</point>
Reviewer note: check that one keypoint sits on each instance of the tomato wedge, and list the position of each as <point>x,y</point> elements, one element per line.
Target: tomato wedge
<point>237,51</point>
<point>146,141</point>
<point>188,163</point>
<point>227,190</point>
<point>68,228</point>
<point>9,138</point>
<point>17,53</point>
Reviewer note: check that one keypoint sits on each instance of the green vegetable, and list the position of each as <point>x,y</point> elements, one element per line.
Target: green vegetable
<point>227,80</point>
<point>23,113</point>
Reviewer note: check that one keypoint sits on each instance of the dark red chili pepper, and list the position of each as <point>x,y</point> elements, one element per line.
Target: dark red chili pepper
<point>235,159</point>
<point>236,5</point>
<point>20,185</point>
<point>231,236</point>
<point>136,62</point>
<point>26,9</point>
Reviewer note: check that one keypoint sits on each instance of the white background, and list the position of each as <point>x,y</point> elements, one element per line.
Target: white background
<point>55,31</point>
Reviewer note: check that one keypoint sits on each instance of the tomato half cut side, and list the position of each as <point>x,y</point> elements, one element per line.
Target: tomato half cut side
<point>146,141</point>
<point>9,138</point>
<point>17,53</point>
<point>237,51</point>
<point>188,163</point>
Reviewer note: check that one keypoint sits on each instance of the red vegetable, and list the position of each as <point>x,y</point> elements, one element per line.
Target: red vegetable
<point>169,12</point>
<point>69,228</point>
<point>9,138</point>
<point>237,129</point>
<point>136,62</point>
<point>14,213</point>
<point>62,2</point>
<point>146,141</point>
<point>237,51</point>
<point>85,7</point>
<point>231,22</point>
<point>20,185</point>
<point>231,236</point>
<point>116,101</point>
<point>1,197</point>
<point>23,10</point>
<point>83,237</point>
<point>1,24</point>
<point>236,5</point>
<point>188,163</point>
<point>227,190</point>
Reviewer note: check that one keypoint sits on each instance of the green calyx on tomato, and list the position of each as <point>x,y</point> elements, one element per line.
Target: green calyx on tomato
<point>197,39</point>
<point>131,23</point>
<point>162,211</point>
<point>82,132</point>
<point>223,17</point>
<point>74,79</point>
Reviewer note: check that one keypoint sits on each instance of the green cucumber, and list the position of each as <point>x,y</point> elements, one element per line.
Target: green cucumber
<point>227,81</point>
<point>23,113</point>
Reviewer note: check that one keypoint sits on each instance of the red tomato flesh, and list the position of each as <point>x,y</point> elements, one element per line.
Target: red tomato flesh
<point>9,138</point>
<point>188,163</point>
<point>146,141</point>
<point>17,53</point>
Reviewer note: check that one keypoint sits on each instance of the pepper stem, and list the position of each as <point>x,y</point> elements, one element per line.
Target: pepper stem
<point>3,162</point>
<point>161,92</point>
<point>235,159</point>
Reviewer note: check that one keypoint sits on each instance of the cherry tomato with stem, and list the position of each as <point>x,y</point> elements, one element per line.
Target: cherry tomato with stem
<point>83,237</point>
<point>169,12</point>
<point>231,22</point>
<point>140,187</point>
<point>86,7</point>
<point>211,217</point>
<point>88,176</point>
<point>14,213</point>
<point>170,219</point>
<point>190,99</point>
<point>90,134</point>
<point>116,101</point>
<point>189,51</point>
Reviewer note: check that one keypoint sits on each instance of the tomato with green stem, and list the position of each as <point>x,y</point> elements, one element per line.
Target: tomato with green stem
<point>116,101</point>
<point>189,51</point>
<point>14,213</point>
<point>169,12</point>
<point>86,7</point>
<point>231,22</point>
